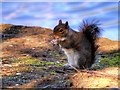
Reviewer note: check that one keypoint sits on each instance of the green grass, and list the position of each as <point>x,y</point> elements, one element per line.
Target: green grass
<point>35,62</point>
<point>109,60</point>
<point>30,64</point>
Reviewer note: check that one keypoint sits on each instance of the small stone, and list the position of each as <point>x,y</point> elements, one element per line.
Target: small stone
<point>18,73</point>
<point>11,45</point>
<point>16,84</point>
<point>25,54</point>
<point>9,65</point>
<point>57,62</point>
<point>33,48</point>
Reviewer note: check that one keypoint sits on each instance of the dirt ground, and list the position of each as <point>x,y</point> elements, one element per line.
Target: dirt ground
<point>29,60</point>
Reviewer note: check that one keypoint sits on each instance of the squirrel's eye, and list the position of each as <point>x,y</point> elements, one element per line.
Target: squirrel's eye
<point>60,30</point>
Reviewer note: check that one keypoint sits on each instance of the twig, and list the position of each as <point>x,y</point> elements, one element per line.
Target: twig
<point>74,68</point>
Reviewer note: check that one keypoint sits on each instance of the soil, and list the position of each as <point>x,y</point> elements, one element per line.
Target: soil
<point>29,60</point>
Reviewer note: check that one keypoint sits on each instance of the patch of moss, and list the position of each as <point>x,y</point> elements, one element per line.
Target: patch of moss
<point>53,72</point>
<point>110,60</point>
<point>107,60</point>
<point>35,62</point>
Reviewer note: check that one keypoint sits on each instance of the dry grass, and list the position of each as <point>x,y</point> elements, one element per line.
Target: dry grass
<point>107,45</point>
<point>106,78</point>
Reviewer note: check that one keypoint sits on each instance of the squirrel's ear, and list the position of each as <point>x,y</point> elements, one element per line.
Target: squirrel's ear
<point>66,24</point>
<point>60,21</point>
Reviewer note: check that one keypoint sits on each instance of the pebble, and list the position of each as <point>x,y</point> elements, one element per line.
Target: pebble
<point>25,54</point>
<point>18,73</point>
<point>9,65</point>
<point>11,45</point>
<point>16,84</point>
<point>33,48</point>
<point>57,62</point>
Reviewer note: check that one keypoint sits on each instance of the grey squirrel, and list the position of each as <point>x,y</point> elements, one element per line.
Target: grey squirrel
<point>80,47</point>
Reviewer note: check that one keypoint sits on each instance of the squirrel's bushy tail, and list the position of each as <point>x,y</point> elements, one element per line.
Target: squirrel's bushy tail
<point>91,32</point>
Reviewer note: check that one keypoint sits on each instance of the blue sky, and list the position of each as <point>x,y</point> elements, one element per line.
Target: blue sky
<point>47,14</point>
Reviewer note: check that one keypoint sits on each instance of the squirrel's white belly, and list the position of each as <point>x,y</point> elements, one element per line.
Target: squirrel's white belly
<point>72,56</point>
